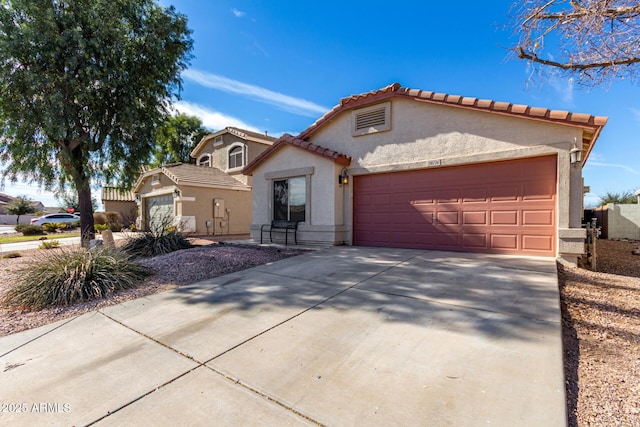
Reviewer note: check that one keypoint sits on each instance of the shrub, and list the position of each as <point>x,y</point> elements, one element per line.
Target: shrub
<point>115,226</point>
<point>30,230</point>
<point>99,218</point>
<point>49,244</point>
<point>150,244</point>
<point>12,255</point>
<point>100,227</point>
<point>71,276</point>
<point>52,227</point>
<point>70,225</point>
<point>112,217</point>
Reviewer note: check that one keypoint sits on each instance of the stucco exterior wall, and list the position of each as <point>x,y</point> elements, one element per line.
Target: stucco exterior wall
<point>233,213</point>
<point>325,220</point>
<point>623,221</point>
<point>127,210</point>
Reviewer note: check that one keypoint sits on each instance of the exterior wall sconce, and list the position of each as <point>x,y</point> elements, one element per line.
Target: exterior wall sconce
<point>176,193</point>
<point>343,178</point>
<point>575,155</point>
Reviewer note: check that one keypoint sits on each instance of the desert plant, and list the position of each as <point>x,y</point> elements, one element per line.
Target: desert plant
<point>626,197</point>
<point>112,217</point>
<point>52,227</point>
<point>99,218</point>
<point>70,225</point>
<point>69,276</point>
<point>49,244</point>
<point>29,230</point>
<point>100,227</point>
<point>115,227</point>
<point>148,243</point>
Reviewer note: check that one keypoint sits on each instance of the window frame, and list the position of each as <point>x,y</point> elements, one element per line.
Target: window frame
<point>242,154</point>
<point>204,160</point>
<point>305,186</point>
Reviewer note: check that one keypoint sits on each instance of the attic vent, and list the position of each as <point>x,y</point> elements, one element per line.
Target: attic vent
<point>371,119</point>
<point>217,141</point>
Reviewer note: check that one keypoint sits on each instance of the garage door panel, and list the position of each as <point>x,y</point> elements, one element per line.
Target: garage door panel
<point>540,217</point>
<point>537,243</point>
<point>503,207</point>
<point>474,218</point>
<point>448,218</point>
<point>504,217</point>
<point>475,241</point>
<point>538,191</point>
<point>507,242</point>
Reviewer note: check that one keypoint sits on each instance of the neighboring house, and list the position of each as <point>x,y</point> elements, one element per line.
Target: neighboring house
<point>38,206</point>
<point>432,171</point>
<point>121,201</point>
<point>197,199</point>
<point>211,197</point>
<point>230,150</point>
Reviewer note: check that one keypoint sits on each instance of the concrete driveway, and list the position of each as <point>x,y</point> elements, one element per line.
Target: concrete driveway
<point>342,336</point>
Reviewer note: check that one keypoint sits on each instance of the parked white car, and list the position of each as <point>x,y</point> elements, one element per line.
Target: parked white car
<point>55,218</point>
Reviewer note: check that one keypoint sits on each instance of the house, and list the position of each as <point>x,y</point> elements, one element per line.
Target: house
<point>210,197</point>
<point>121,201</point>
<point>402,167</point>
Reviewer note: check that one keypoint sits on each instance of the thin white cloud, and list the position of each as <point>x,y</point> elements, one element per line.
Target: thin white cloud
<point>613,165</point>
<point>238,13</point>
<point>212,119</point>
<point>284,102</point>
<point>636,113</point>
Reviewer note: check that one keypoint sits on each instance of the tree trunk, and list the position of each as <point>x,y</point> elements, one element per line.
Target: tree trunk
<point>83,186</point>
<point>87,231</point>
<point>18,220</point>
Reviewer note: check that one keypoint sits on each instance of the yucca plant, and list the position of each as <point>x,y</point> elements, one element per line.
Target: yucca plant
<point>70,276</point>
<point>49,244</point>
<point>149,244</point>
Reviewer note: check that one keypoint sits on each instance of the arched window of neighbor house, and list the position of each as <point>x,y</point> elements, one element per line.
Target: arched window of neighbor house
<point>236,157</point>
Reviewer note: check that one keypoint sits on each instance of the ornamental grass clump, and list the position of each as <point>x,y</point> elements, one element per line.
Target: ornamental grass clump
<point>150,243</point>
<point>70,276</point>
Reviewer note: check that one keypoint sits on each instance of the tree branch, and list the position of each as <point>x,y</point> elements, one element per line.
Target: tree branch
<point>579,67</point>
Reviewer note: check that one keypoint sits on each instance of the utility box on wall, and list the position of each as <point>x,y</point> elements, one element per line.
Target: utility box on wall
<point>218,208</point>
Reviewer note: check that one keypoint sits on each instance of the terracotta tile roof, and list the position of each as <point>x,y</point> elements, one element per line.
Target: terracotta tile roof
<point>593,124</point>
<point>261,138</point>
<point>115,194</point>
<point>287,139</point>
<point>196,176</point>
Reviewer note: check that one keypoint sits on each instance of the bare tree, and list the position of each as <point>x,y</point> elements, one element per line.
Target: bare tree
<point>592,40</point>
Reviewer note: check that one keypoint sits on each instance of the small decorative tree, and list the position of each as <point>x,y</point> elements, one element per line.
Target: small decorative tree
<point>20,205</point>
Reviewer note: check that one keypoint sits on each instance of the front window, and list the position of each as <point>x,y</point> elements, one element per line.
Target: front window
<point>290,199</point>
<point>236,157</point>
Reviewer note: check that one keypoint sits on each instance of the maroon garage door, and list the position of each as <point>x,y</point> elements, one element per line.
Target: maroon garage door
<point>501,207</point>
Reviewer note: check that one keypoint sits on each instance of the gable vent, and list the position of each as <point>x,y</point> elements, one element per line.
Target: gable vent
<point>371,119</point>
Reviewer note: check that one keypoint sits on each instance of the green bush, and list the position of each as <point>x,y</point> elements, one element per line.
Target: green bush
<point>115,227</point>
<point>71,276</point>
<point>29,230</point>
<point>49,244</point>
<point>52,227</point>
<point>149,244</point>
<point>70,225</point>
<point>100,227</point>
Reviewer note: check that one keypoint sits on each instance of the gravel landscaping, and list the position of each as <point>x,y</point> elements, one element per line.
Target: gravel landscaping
<point>600,315</point>
<point>171,270</point>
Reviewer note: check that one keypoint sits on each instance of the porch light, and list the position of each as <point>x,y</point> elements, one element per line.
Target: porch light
<point>176,193</point>
<point>575,155</point>
<point>343,178</point>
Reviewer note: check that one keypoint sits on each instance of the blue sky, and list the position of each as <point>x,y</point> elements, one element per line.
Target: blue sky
<point>277,66</point>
